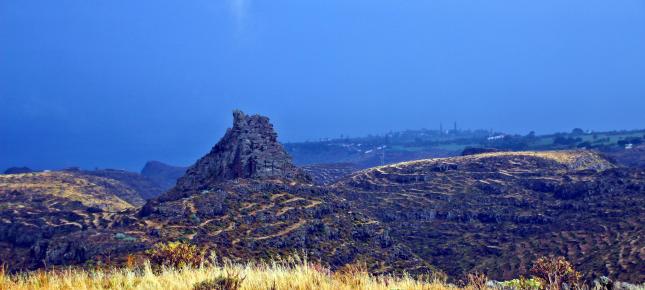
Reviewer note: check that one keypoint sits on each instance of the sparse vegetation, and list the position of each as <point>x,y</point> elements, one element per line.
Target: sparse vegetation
<point>177,254</point>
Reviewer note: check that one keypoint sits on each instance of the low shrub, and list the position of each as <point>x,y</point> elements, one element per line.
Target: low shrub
<point>194,219</point>
<point>476,280</point>
<point>130,262</point>
<point>351,274</point>
<point>124,237</point>
<point>317,267</point>
<point>553,272</point>
<point>522,284</point>
<point>231,281</point>
<point>177,254</point>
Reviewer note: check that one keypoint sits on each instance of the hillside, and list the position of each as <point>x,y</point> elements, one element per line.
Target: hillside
<point>393,147</point>
<point>145,187</point>
<point>328,173</point>
<point>90,190</point>
<point>39,211</point>
<point>163,174</point>
<point>633,157</point>
<point>365,152</point>
<point>246,200</point>
<point>493,212</point>
<point>502,210</point>
<point>249,201</point>
<point>250,220</point>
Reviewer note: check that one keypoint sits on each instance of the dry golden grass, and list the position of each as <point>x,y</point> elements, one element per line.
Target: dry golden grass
<point>574,158</point>
<point>266,276</point>
<point>564,157</point>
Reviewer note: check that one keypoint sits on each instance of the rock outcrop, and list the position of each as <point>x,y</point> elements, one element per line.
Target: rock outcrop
<point>250,149</point>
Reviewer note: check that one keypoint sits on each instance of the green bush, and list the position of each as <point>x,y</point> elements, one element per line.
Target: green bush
<point>522,284</point>
<point>194,219</point>
<point>124,237</point>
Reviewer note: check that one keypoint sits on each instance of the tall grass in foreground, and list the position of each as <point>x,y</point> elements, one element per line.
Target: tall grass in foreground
<point>262,276</point>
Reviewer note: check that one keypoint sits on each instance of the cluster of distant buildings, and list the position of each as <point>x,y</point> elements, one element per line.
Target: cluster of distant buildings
<point>497,137</point>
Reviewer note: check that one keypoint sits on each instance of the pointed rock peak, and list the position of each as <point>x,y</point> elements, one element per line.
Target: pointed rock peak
<point>249,149</point>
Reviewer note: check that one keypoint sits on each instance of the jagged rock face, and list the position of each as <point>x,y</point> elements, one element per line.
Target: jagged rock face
<point>250,149</point>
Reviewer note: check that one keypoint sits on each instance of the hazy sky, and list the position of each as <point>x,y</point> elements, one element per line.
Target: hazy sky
<point>114,83</point>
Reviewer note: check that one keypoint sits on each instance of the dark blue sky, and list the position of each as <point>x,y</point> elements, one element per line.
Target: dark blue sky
<point>115,83</point>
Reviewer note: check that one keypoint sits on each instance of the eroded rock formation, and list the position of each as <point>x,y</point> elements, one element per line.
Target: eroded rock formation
<point>250,149</point>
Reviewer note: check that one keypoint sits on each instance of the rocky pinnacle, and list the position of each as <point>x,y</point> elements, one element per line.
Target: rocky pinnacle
<point>250,149</point>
